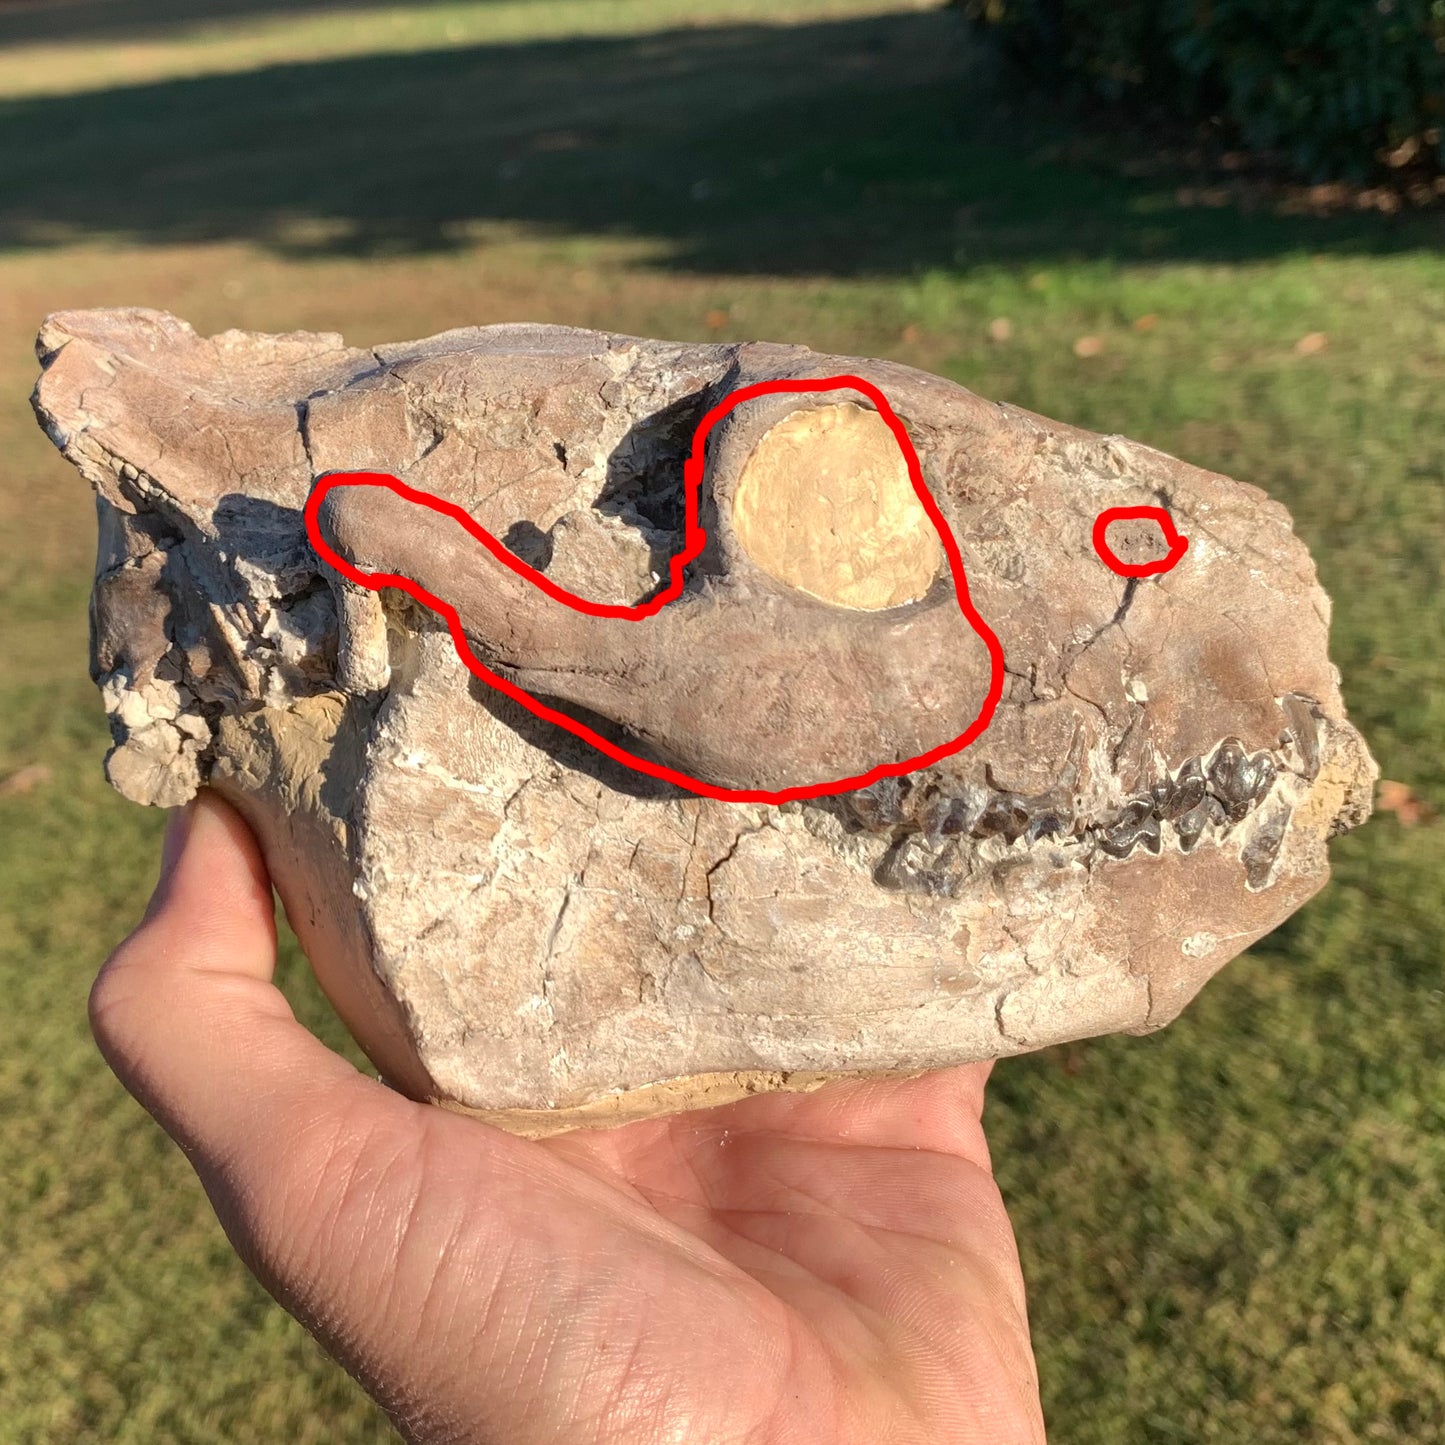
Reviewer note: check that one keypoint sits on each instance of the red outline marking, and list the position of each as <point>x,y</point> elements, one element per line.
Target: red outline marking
<point>1110,558</point>
<point>693,540</point>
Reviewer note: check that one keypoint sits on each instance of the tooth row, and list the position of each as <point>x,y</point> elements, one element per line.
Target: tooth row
<point>931,825</point>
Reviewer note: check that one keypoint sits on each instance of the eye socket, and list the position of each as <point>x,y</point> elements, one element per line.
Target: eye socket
<point>1145,542</point>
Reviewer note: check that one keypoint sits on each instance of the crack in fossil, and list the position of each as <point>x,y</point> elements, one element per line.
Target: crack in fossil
<point>727,857</point>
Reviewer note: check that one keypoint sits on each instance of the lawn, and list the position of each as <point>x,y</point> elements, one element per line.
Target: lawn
<point>1231,1230</point>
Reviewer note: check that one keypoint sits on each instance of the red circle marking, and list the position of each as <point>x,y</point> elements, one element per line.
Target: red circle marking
<point>693,540</point>
<point>1110,515</point>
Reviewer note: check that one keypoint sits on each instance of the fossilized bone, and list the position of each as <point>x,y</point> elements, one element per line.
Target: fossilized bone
<point>510,921</point>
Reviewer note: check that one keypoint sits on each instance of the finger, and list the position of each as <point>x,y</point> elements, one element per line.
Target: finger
<point>941,1110</point>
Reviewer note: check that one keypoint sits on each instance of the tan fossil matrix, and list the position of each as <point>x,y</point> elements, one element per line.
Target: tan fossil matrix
<point>825,504</point>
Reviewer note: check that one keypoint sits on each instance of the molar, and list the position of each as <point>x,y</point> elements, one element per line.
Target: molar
<point>1136,823</point>
<point>1187,790</point>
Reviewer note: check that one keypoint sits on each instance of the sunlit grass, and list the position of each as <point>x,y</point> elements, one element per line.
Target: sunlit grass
<point>201,46</point>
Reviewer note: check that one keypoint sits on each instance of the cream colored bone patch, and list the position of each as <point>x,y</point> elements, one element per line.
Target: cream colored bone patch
<point>825,505</point>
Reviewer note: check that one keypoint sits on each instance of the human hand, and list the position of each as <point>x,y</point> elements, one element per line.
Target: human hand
<point>832,1267</point>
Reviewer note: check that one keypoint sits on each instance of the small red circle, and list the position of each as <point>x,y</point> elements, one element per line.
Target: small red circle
<point>1111,560</point>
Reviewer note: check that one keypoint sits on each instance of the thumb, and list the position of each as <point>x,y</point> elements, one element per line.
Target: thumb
<point>185,1011</point>
<point>186,1014</point>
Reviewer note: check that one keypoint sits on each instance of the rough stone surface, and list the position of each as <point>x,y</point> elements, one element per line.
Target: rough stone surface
<point>513,924</point>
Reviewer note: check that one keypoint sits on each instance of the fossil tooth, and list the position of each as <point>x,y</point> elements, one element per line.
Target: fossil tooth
<point>1259,854</point>
<point>1004,816</point>
<point>1055,821</point>
<point>909,866</point>
<point>513,920</point>
<point>1187,790</point>
<point>1259,776</point>
<point>949,817</point>
<point>1136,823</point>
<point>1232,778</point>
<point>1303,717</point>
<point>1209,810</point>
<point>881,805</point>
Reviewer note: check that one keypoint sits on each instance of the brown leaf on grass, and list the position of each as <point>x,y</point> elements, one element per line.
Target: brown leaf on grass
<point>1071,1058</point>
<point>22,780</point>
<point>1380,198</point>
<point>911,335</point>
<point>1088,346</point>
<point>1000,328</point>
<point>1403,153</point>
<point>715,319</point>
<point>1146,323</point>
<point>1311,344</point>
<point>1404,802</point>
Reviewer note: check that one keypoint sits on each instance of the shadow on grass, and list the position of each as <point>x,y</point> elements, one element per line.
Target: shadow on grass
<point>875,146</point>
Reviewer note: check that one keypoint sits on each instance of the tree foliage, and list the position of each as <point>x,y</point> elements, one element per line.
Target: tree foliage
<point>1338,88</point>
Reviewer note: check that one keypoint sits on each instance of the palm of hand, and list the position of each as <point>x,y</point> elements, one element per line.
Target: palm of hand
<point>829,1267</point>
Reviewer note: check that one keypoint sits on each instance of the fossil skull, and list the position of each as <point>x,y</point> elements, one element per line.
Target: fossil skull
<point>513,920</point>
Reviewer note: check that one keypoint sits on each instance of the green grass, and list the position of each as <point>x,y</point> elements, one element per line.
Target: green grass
<point>1231,1230</point>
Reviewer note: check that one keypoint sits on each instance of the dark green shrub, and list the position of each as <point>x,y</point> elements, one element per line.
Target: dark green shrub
<point>1330,85</point>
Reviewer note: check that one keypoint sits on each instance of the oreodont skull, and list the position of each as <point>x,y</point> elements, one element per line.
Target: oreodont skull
<point>515,922</point>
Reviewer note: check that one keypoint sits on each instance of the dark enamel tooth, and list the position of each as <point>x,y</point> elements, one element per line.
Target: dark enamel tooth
<point>1265,772</point>
<point>1229,757</point>
<point>1193,823</point>
<point>1232,778</point>
<point>1260,852</point>
<point>950,817</point>
<point>1132,824</point>
<point>1052,814</point>
<point>1003,815</point>
<point>881,805</point>
<point>892,870</point>
<point>909,867</point>
<point>1186,791</point>
<point>1048,824</point>
<point>1303,716</point>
